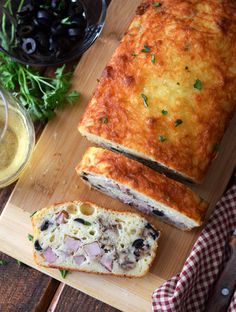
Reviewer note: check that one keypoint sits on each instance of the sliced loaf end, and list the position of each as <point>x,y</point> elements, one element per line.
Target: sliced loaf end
<point>137,185</point>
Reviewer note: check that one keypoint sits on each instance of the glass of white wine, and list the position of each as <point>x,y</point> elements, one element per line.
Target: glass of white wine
<point>17,139</point>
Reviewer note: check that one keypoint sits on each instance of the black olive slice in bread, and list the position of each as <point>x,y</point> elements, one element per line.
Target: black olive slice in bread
<point>81,236</point>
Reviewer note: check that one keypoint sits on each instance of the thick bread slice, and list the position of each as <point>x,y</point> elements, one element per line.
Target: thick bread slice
<point>80,236</point>
<point>135,184</point>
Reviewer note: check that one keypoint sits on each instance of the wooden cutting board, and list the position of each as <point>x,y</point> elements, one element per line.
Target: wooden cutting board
<point>51,178</point>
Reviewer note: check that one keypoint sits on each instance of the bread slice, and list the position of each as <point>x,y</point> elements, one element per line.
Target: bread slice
<point>79,236</point>
<point>137,185</point>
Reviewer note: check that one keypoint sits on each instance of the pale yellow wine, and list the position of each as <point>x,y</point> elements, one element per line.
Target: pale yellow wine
<point>14,147</point>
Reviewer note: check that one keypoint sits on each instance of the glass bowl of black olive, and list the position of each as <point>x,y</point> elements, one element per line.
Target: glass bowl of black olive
<point>49,32</point>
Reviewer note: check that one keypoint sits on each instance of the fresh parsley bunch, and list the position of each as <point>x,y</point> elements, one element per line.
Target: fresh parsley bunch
<point>40,95</point>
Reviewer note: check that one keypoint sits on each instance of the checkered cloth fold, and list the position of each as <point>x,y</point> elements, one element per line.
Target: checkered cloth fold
<point>189,290</point>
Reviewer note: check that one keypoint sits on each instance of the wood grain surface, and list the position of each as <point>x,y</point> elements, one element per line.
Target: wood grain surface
<point>81,302</point>
<point>51,178</point>
<point>23,288</point>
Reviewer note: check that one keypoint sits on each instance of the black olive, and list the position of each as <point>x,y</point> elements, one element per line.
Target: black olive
<point>53,45</point>
<point>79,22</point>
<point>154,234</point>
<point>79,220</point>
<point>136,253</point>
<point>26,11</point>
<point>44,18</point>
<point>58,29</point>
<point>138,243</point>
<point>45,225</point>
<point>74,32</point>
<point>29,45</point>
<point>43,14</point>
<point>82,221</point>
<point>59,6</point>
<point>75,8</point>
<point>54,4</point>
<point>148,226</point>
<point>158,213</point>
<point>42,23</point>
<point>98,188</point>
<point>24,30</point>
<point>27,7</point>
<point>37,246</point>
<point>39,29</point>
<point>42,39</point>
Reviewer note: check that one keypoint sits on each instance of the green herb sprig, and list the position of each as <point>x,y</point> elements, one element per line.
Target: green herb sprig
<point>30,237</point>
<point>156,4</point>
<point>6,38</point>
<point>198,85</point>
<point>145,99</point>
<point>145,49</point>
<point>18,262</point>
<point>162,138</point>
<point>66,21</point>
<point>63,273</point>
<point>103,120</point>
<point>40,95</point>
<point>3,262</point>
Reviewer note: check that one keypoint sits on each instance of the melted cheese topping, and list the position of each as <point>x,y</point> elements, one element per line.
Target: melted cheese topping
<point>181,57</point>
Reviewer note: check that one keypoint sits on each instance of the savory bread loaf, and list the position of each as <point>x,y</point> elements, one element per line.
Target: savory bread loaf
<point>80,236</point>
<point>137,185</point>
<point>168,92</point>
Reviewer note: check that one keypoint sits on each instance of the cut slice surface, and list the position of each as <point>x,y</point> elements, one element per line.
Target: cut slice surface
<point>84,237</point>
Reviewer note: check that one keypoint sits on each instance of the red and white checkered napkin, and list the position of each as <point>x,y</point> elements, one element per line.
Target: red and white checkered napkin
<point>189,290</point>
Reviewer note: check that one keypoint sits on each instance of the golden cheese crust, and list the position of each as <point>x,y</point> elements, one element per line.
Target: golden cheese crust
<point>169,90</point>
<point>144,180</point>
